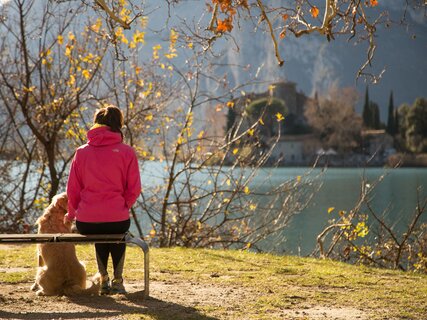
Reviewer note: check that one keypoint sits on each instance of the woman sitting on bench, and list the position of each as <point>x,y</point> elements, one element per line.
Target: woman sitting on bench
<point>103,184</point>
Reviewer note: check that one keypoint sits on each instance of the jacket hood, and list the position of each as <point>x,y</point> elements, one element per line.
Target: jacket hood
<point>103,136</point>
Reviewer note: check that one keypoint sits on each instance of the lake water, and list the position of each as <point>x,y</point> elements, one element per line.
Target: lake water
<point>340,189</point>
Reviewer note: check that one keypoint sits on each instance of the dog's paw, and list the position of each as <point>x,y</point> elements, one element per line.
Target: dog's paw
<point>40,293</point>
<point>35,286</point>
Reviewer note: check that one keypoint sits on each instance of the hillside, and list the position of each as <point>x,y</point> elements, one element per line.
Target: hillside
<point>215,284</point>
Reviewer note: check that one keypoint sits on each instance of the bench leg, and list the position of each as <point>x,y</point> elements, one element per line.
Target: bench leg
<point>144,246</point>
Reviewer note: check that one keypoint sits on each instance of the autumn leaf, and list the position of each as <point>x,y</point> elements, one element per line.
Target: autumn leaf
<point>261,122</point>
<point>235,150</point>
<point>230,104</point>
<point>251,132</point>
<point>86,74</point>
<point>246,190</point>
<point>373,3</point>
<point>282,34</point>
<point>330,209</point>
<point>279,117</point>
<point>152,233</point>
<point>71,36</point>
<point>60,39</point>
<point>252,207</point>
<point>225,25</point>
<point>285,17</point>
<point>314,11</point>
<point>71,81</point>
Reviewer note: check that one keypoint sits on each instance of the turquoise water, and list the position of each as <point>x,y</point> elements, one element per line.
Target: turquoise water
<point>395,195</point>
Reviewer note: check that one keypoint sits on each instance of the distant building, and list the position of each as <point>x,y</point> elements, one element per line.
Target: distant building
<point>296,149</point>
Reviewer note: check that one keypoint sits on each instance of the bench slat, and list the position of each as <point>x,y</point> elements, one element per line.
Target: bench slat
<point>61,237</point>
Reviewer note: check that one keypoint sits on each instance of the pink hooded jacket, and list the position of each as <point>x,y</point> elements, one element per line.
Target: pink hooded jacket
<point>104,180</point>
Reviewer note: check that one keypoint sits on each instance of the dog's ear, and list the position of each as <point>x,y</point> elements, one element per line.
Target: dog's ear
<point>61,201</point>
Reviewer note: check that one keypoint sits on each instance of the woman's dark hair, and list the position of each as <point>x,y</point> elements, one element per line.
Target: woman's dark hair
<point>110,116</point>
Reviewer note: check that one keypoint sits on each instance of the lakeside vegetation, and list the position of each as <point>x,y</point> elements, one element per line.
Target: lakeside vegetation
<point>265,286</point>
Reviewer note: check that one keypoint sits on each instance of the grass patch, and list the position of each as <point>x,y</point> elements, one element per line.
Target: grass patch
<point>275,283</point>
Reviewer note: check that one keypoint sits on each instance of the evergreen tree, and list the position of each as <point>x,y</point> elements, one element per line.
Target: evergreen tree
<point>231,118</point>
<point>391,121</point>
<point>375,122</point>
<point>366,115</point>
<point>396,122</point>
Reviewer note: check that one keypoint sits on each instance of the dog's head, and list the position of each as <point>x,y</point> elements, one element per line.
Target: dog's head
<point>60,202</point>
<point>52,219</point>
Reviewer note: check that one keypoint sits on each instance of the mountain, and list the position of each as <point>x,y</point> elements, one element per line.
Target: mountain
<point>311,61</point>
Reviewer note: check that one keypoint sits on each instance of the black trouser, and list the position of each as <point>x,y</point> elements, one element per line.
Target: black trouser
<point>103,250</point>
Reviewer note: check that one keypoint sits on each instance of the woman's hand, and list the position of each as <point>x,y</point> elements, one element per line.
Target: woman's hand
<point>66,220</point>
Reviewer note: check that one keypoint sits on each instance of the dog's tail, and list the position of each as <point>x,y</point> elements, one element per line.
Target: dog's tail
<point>93,289</point>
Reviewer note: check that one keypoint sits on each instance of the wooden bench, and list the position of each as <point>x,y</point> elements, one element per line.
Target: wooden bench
<point>78,238</point>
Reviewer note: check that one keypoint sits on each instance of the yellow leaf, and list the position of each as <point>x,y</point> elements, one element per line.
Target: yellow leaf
<point>261,122</point>
<point>228,182</point>
<point>330,209</point>
<point>279,117</point>
<point>230,104</point>
<point>131,105</point>
<point>251,132</point>
<point>248,245</point>
<point>298,178</point>
<point>86,74</point>
<point>226,200</point>
<point>60,39</point>
<point>200,135</point>
<point>235,150</point>
<point>246,190</point>
<point>152,233</point>
<point>71,36</point>
<point>190,45</point>
<point>30,89</point>
<point>149,117</point>
<point>68,51</point>
<point>71,81</point>
<point>314,11</point>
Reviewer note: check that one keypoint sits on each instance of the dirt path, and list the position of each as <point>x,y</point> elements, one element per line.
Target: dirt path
<point>169,300</point>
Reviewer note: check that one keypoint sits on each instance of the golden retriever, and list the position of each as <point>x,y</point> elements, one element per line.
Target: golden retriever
<point>59,271</point>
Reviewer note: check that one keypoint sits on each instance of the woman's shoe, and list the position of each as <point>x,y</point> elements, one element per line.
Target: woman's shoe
<point>105,285</point>
<point>117,287</point>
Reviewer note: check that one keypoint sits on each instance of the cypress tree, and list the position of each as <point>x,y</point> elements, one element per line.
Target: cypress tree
<point>367,114</point>
<point>231,118</point>
<point>391,121</point>
<point>396,122</point>
<point>375,115</point>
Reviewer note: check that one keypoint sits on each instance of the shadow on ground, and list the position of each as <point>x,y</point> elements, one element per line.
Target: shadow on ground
<point>114,307</point>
